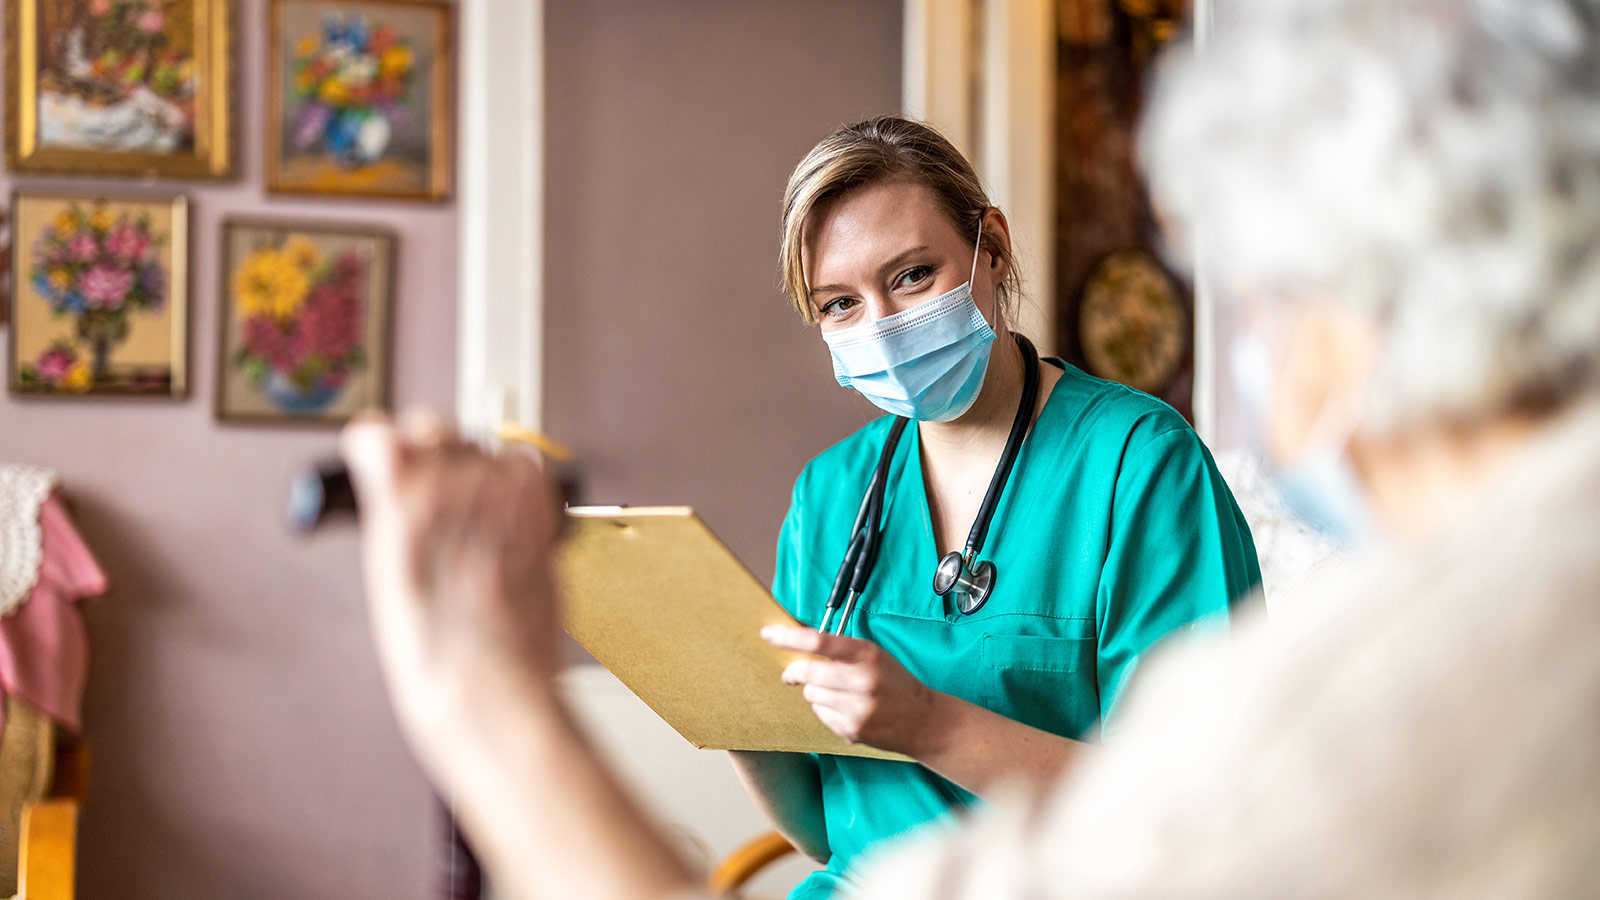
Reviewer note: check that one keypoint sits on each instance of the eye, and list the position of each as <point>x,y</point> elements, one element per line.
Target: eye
<point>914,276</point>
<point>838,306</point>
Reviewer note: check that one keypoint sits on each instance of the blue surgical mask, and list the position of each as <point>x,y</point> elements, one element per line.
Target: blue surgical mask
<point>925,363</point>
<point>1321,486</point>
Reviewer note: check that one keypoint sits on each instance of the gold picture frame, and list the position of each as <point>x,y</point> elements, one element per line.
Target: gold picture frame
<point>99,295</point>
<point>119,87</point>
<point>299,373</point>
<point>385,134</point>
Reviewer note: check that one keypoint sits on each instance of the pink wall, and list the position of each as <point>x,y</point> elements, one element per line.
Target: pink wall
<point>673,362</point>
<point>242,744</point>
<point>243,747</point>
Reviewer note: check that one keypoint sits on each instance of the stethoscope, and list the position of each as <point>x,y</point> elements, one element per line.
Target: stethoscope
<point>960,572</point>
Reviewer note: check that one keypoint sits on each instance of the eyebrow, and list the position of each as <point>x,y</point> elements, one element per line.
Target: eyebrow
<point>899,258</point>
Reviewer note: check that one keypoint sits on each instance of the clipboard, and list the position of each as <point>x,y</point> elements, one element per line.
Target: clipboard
<point>658,600</point>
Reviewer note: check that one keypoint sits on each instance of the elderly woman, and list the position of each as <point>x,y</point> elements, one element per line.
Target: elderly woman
<point>1406,195</point>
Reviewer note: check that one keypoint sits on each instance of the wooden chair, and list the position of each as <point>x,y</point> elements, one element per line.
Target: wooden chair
<point>48,851</point>
<point>47,839</point>
<point>742,864</point>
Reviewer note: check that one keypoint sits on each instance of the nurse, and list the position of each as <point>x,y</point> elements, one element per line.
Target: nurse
<point>1113,531</point>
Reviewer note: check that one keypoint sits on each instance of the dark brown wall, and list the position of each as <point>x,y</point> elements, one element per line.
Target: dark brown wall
<point>674,364</point>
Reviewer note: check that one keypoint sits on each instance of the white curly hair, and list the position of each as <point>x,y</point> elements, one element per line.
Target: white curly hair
<point>1435,163</point>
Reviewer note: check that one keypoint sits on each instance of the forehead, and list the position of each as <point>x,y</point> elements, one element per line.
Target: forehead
<point>848,238</point>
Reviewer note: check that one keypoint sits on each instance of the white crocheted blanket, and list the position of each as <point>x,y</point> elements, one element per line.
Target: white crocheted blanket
<point>23,490</point>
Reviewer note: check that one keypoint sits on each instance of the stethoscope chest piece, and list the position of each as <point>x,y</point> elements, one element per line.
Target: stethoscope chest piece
<point>971,584</point>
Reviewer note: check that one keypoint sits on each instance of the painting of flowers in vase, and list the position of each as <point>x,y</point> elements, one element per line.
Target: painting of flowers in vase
<point>305,322</point>
<point>360,98</point>
<point>99,296</point>
<point>119,86</point>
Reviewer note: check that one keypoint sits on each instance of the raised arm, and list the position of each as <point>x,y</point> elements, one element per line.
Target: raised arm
<point>456,552</point>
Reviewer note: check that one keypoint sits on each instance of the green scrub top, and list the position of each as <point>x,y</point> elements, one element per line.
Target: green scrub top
<point>1114,530</point>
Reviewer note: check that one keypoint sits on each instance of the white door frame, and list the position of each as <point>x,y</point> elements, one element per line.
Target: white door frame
<point>500,146</point>
<point>1009,132</point>
<point>1012,139</point>
<point>1206,349</point>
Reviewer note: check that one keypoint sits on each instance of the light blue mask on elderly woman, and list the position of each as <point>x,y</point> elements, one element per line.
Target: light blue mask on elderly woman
<point>1320,486</point>
<point>925,363</point>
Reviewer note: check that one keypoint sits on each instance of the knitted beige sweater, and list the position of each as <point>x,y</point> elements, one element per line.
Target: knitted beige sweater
<point>1426,725</point>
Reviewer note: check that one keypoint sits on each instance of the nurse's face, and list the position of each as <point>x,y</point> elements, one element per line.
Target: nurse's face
<point>888,247</point>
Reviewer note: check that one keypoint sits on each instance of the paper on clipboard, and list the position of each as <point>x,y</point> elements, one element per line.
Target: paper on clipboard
<point>657,599</point>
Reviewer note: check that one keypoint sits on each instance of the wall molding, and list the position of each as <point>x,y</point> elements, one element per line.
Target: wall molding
<point>1207,397</point>
<point>994,96</point>
<point>500,145</point>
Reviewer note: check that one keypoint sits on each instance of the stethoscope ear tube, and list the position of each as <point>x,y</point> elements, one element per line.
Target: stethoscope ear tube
<point>970,579</point>
<point>1008,457</point>
<point>865,537</point>
<point>841,581</point>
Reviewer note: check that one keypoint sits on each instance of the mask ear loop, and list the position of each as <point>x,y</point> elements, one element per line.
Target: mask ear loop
<point>972,277</point>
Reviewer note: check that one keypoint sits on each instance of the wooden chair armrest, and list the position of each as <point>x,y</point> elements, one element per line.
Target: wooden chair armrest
<point>45,867</point>
<point>71,781</point>
<point>742,864</point>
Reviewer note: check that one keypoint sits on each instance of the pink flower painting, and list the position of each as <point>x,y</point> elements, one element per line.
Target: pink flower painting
<point>128,243</point>
<point>82,248</point>
<point>105,286</point>
<point>105,312</point>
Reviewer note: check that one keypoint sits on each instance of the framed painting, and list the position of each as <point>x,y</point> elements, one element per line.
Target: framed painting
<point>99,295</point>
<point>360,98</point>
<point>305,321</point>
<point>119,87</point>
<point>5,266</point>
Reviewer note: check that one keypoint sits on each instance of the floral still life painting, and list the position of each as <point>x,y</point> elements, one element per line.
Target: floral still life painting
<point>305,322</point>
<point>119,86</point>
<point>5,266</point>
<point>99,299</point>
<point>360,98</point>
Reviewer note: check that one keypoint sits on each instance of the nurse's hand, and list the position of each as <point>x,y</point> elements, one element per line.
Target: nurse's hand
<point>858,690</point>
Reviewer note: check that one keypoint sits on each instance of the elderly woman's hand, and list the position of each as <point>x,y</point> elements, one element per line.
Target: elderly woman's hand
<point>456,549</point>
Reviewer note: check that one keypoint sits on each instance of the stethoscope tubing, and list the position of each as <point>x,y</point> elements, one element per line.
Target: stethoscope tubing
<point>1008,457</point>
<point>866,534</point>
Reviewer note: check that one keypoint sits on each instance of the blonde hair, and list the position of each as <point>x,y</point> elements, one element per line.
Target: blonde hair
<point>867,153</point>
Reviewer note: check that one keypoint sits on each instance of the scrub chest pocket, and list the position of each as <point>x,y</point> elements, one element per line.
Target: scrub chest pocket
<point>1047,680</point>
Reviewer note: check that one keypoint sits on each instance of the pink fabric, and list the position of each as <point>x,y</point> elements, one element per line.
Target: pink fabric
<point>44,645</point>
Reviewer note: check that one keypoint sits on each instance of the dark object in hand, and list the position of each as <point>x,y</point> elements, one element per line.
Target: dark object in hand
<point>319,493</point>
<point>323,492</point>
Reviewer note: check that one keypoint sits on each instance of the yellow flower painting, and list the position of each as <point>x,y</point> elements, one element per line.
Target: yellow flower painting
<point>304,329</point>
<point>270,284</point>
